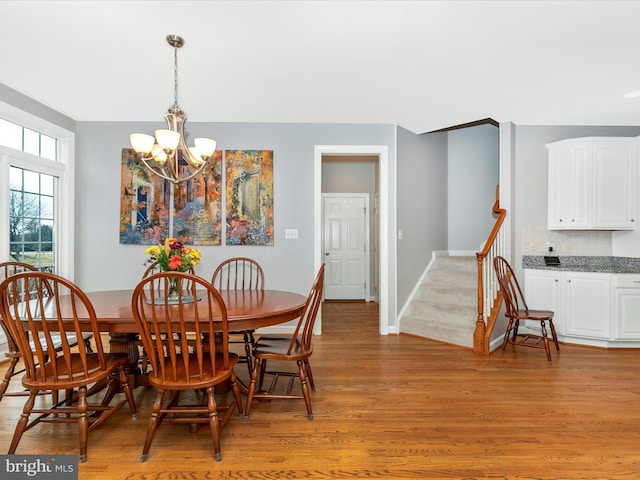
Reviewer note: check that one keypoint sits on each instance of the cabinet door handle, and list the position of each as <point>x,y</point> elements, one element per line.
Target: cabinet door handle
<point>568,281</point>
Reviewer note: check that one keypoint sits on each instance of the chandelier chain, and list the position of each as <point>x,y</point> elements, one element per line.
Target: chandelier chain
<point>175,77</point>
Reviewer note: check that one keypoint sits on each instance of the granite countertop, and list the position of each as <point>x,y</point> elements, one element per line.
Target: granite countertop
<point>585,264</point>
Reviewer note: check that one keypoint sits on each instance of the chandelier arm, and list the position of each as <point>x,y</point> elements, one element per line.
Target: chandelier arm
<point>172,162</point>
<point>175,120</point>
<point>188,156</point>
<point>189,177</point>
<point>153,169</point>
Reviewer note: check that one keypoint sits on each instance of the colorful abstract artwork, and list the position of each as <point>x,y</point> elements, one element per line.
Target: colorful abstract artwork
<point>249,197</point>
<point>144,203</point>
<point>197,216</point>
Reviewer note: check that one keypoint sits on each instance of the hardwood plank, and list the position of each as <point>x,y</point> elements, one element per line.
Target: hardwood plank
<point>391,407</point>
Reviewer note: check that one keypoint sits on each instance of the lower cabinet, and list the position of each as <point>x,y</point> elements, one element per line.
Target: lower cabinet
<point>626,306</point>
<point>581,302</point>
<point>587,306</point>
<point>543,290</point>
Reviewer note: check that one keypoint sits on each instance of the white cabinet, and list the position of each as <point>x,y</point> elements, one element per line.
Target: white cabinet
<point>614,181</point>
<point>581,301</point>
<point>543,290</point>
<point>626,306</point>
<point>587,306</point>
<point>592,183</point>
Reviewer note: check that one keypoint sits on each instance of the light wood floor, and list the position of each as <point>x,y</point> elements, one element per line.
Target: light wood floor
<point>392,407</point>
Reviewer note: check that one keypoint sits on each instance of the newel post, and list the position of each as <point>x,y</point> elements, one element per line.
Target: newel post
<point>479,332</point>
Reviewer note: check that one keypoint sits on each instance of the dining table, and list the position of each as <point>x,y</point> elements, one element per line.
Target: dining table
<point>246,310</point>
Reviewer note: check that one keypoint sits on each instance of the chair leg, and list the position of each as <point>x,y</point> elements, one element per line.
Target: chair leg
<point>309,374</point>
<point>124,382</point>
<point>237,399</point>
<point>21,426</point>
<point>252,387</point>
<point>7,376</point>
<point>305,388</point>
<point>545,340</point>
<point>214,422</point>
<point>263,369</point>
<point>516,325</point>
<point>507,334</point>
<point>554,335</point>
<point>83,422</point>
<point>154,422</point>
<point>249,340</point>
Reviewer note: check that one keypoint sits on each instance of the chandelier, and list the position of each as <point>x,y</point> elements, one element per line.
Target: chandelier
<point>162,154</point>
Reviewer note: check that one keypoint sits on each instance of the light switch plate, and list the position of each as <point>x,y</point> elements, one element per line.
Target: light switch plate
<point>291,233</point>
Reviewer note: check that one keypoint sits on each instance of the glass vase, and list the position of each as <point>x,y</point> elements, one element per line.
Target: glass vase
<point>172,297</point>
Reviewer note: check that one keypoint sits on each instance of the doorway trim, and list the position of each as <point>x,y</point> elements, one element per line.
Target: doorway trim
<point>382,151</point>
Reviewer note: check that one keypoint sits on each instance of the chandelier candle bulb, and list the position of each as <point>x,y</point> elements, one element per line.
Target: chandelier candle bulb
<point>196,158</point>
<point>158,154</point>
<point>141,142</point>
<point>205,146</point>
<point>168,140</point>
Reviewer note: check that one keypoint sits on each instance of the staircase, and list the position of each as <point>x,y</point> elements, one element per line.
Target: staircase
<point>445,305</point>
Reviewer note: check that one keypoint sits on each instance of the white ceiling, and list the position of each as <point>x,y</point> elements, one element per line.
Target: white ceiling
<point>424,65</point>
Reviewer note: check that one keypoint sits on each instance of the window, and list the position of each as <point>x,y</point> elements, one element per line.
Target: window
<point>36,192</point>
<point>24,139</point>
<point>32,218</point>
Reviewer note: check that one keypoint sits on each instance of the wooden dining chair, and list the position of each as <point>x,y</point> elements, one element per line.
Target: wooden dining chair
<point>8,269</point>
<point>194,354</point>
<point>240,273</point>
<point>516,309</point>
<point>153,267</point>
<point>295,348</point>
<point>32,322</point>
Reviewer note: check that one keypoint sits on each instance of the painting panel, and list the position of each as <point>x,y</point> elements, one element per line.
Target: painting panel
<point>249,197</point>
<point>198,206</point>
<point>144,203</point>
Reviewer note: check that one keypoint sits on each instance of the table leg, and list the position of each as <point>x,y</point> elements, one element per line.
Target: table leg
<point>122,343</point>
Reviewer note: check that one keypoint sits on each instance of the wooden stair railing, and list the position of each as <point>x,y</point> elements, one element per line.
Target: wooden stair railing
<point>489,295</point>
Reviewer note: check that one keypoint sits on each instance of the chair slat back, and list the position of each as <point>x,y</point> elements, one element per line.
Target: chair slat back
<point>36,306</point>
<point>304,329</point>
<point>511,291</point>
<point>175,332</point>
<point>238,273</point>
<point>7,269</point>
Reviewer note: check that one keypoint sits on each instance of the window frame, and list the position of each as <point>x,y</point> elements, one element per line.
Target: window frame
<point>63,169</point>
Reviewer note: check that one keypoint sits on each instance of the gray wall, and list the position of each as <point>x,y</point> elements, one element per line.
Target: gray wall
<point>102,263</point>
<point>26,104</point>
<point>473,169</point>
<point>421,204</point>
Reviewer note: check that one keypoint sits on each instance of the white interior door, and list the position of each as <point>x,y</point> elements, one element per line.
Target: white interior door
<point>346,246</point>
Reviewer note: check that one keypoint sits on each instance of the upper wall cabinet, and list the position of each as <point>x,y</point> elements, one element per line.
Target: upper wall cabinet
<point>592,184</point>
